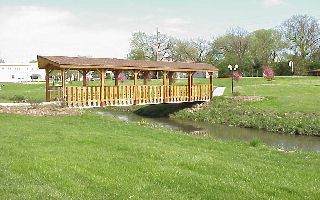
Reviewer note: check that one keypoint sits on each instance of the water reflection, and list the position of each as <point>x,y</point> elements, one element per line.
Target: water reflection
<point>222,132</point>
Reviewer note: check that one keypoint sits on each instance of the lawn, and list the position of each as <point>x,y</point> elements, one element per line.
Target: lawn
<point>97,157</point>
<point>11,92</point>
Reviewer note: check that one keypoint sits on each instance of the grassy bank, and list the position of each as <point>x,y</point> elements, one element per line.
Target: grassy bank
<point>240,113</point>
<point>291,105</point>
<point>96,157</point>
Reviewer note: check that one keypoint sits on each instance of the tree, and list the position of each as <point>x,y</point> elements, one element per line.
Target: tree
<point>202,48</point>
<point>149,47</point>
<point>265,47</point>
<point>183,51</point>
<point>1,60</point>
<point>302,33</point>
<point>234,46</point>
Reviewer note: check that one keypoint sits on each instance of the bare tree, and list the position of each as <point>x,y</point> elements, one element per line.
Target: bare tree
<point>150,47</point>
<point>234,45</point>
<point>302,33</point>
<point>202,47</point>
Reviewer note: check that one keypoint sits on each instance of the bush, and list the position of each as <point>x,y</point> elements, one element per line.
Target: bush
<point>268,72</point>
<point>282,69</point>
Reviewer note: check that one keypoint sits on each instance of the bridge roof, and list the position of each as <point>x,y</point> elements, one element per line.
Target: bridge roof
<point>64,62</point>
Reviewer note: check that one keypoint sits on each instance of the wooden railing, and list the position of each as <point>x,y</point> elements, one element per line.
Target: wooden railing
<point>150,94</point>
<point>118,95</point>
<point>201,93</point>
<point>90,96</point>
<point>177,93</point>
<point>83,96</point>
<point>55,93</point>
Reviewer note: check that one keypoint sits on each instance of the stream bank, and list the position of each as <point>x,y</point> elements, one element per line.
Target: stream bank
<point>218,131</point>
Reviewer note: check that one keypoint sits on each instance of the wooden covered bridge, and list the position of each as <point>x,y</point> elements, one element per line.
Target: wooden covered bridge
<point>117,94</point>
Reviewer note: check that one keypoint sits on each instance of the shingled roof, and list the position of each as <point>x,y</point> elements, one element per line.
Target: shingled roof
<point>59,62</point>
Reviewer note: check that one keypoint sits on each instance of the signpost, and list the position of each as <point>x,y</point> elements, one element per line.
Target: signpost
<point>291,65</point>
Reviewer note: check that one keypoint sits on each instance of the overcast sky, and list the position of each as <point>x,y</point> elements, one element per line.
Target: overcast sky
<point>102,28</point>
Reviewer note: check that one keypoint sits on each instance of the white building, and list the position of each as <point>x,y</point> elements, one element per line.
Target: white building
<point>21,72</point>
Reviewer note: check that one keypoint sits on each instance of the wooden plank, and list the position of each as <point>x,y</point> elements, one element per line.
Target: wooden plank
<point>69,96</point>
<point>135,83</point>
<point>63,79</point>
<point>102,84</point>
<point>47,85</point>
<point>165,95</point>
<point>89,96</point>
<point>171,69</point>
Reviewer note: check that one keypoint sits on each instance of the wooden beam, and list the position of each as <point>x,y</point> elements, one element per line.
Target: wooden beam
<point>102,86</point>
<point>116,77</point>
<point>136,68</point>
<point>84,73</point>
<point>47,85</point>
<point>145,77</point>
<point>135,83</point>
<point>190,83</point>
<point>63,79</point>
<point>165,87</point>
<point>170,75</point>
<point>211,86</point>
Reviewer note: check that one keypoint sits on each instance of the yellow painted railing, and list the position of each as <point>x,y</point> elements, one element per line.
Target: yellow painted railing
<point>90,96</point>
<point>201,92</point>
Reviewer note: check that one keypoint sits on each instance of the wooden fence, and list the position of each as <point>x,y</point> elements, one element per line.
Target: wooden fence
<point>90,96</point>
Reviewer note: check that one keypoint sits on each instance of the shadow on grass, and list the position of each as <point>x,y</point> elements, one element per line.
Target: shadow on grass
<point>163,110</point>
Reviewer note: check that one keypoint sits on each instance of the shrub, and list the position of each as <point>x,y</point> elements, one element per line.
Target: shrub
<point>122,78</point>
<point>268,72</point>
<point>236,76</point>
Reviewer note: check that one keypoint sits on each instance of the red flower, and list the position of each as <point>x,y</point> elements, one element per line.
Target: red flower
<point>236,76</point>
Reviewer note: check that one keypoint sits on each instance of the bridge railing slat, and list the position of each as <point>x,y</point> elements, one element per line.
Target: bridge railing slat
<point>90,96</point>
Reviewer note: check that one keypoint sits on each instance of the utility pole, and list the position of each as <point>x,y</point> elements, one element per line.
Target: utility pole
<point>158,45</point>
<point>157,49</point>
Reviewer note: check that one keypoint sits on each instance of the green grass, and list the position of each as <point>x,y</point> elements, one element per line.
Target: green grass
<point>239,113</point>
<point>17,91</point>
<point>299,94</point>
<point>96,157</point>
<point>285,94</point>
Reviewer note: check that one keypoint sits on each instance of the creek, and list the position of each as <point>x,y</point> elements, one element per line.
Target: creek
<point>223,132</point>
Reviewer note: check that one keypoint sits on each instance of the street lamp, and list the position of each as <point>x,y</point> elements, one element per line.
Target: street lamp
<point>291,65</point>
<point>232,69</point>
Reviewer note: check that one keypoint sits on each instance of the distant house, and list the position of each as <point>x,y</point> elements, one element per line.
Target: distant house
<point>315,72</point>
<point>21,72</point>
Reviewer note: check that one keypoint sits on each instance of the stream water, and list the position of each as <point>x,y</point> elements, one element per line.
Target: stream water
<point>223,132</point>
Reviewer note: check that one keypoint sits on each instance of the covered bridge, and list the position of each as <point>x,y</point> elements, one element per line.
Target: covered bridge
<point>103,95</point>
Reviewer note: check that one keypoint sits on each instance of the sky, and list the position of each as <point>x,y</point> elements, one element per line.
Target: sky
<point>102,28</point>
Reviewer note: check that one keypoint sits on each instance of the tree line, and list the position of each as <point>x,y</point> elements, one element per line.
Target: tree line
<point>297,39</point>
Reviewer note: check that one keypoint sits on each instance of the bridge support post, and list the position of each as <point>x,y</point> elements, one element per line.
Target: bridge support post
<point>211,86</point>
<point>190,83</point>
<point>165,88</point>
<point>116,77</point>
<point>47,85</point>
<point>145,77</point>
<point>63,79</point>
<point>84,77</point>
<point>135,83</point>
<point>102,89</point>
